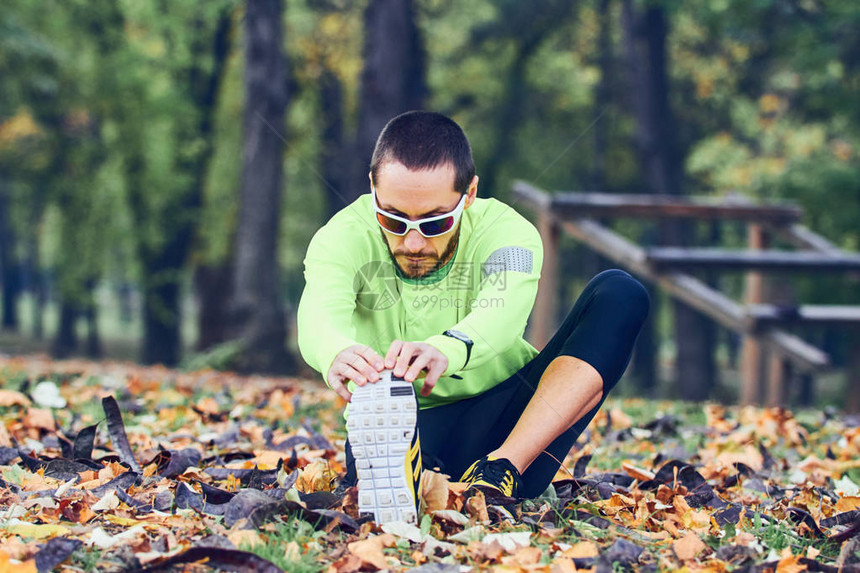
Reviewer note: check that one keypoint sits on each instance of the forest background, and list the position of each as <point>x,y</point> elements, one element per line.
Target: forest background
<point>163,166</point>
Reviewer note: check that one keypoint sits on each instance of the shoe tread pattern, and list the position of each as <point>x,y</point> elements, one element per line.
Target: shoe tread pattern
<point>381,425</point>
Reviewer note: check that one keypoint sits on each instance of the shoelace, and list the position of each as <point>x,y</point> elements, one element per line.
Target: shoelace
<point>495,471</point>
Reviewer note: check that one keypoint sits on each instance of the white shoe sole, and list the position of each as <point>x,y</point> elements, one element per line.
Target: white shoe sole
<point>381,425</point>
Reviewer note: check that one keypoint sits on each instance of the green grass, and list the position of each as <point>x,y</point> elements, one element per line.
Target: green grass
<point>292,530</point>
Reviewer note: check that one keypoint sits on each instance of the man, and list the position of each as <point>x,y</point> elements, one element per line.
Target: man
<point>422,277</point>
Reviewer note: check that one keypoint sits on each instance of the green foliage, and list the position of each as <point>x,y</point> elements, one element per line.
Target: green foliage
<point>221,357</point>
<point>100,119</point>
<point>293,531</point>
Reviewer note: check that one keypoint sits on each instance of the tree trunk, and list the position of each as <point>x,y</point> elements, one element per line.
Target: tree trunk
<point>66,341</point>
<point>331,158</point>
<point>257,315</point>
<point>9,269</point>
<point>662,160</point>
<point>164,265</point>
<point>212,284</point>
<point>162,340</point>
<point>392,81</point>
<point>510,116</point>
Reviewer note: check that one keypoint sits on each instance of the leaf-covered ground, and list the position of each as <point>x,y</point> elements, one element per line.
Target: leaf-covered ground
<point>112,467</point>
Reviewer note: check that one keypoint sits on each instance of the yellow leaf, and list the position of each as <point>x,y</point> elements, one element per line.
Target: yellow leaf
<point>37,531</point>
<point>125,521</point>
<point>316,476</point>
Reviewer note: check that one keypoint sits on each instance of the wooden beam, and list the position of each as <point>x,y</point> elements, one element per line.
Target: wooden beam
<point>804,238</point>
<point>759,316</point>
<point>692,292</point>
<point>579,205</point>
<point>681,258</point>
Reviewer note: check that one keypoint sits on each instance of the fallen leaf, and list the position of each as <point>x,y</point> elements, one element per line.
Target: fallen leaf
<point>581,549</point>
<point>510,541</point>
<point>434,490</point>
<point>790,565</point>
<point>636,472</point>
<point>13,398</point>
<point>6,566</point>
<point>688,547</point>
<point>370,550</point>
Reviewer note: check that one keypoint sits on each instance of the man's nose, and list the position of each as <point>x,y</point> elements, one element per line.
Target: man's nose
<point>414,241</point>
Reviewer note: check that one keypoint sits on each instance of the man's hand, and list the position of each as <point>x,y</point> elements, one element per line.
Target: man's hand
<point>408,359</point>
<point>358,363</point>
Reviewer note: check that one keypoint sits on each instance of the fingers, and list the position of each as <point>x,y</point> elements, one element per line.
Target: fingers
<point>417,366</point>
<point>341,390</point>
<point>437,367</point>
<point>404,358</point>
<point>373,360</point>
<point>393,352</point>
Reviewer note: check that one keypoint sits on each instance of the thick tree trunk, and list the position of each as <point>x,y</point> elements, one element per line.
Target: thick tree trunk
<point>9,269</point>
<point>331,158</point>
<point>257,315</point>
<point>212,284</point>
<point>662,160</point>
<point>66,340</point>
<point>392,81</point>
<point>162,340</point>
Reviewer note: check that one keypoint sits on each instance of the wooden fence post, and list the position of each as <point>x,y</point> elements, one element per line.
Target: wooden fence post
<point>852,375</point>
<point>546,303</point>
<point>752,363</point>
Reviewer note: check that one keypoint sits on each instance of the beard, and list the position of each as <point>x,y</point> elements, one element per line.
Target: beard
<point>425,263</point>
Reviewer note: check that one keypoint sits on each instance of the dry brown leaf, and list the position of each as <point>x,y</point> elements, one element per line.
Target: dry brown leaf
<point>476,506</point>
<point>790,565</point>
<point>13,398</point>
<point>40,418</point>
<point>688,547</point>
<point>581,549</point>
<point>847,503</point>
<point>637,473</point>
<point>523,556</point>
<point>563,565</point>
<point>316,476</point>
<point>6,566</point>
<point>370,550</point>
<point>434,490</point>
<point>349,563</point>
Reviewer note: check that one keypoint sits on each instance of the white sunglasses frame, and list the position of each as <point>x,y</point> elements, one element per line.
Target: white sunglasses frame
<point>456,213</point>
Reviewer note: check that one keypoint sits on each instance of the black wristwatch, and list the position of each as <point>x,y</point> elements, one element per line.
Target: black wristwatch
<point>462,338</point>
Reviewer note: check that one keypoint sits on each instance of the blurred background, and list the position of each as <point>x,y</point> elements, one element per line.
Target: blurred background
<point>163,165</point>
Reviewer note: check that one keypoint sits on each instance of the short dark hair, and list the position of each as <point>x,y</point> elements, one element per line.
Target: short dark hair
<point>425,140</point>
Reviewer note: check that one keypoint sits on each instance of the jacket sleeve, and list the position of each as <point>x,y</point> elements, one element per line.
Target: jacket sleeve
<point>325,310</point>
<point>510,267</point>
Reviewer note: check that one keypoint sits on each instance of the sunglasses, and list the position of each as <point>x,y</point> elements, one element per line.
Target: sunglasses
<point>429,226</point>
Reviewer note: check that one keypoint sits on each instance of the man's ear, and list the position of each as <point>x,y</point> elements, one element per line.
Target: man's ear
<point>472,193</point>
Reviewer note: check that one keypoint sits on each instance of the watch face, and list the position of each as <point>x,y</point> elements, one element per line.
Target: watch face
<point>459,336</point>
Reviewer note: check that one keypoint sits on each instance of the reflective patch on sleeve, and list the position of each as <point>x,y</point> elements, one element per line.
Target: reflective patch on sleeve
<point>517,259</point>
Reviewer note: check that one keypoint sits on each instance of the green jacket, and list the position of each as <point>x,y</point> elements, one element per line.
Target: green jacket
<point>355,294</point>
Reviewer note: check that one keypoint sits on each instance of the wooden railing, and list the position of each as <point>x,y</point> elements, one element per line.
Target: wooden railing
<point>769,352</point>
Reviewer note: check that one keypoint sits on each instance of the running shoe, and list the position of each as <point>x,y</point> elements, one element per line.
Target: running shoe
<point>382,426</point>
<point>496,476</point>
<point>499,480</point>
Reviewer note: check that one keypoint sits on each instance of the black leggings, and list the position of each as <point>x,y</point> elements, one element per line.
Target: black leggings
<point>600,330</point>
